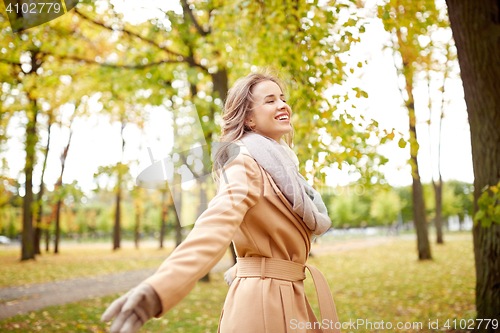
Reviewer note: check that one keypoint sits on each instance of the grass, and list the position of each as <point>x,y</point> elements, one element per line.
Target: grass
<point>75,262</point>
<point>198,312</point>
<point>386,283</point>
<point>389,283</point>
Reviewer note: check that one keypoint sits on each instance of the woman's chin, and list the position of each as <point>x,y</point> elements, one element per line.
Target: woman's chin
<point>287,131</point>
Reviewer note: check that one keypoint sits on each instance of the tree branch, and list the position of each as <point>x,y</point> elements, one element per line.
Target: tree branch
<point>17,66</point>
<point>90,61</point>
<point>131,33</point>
<point>180,57</point>
<point>188,10</point>
<point>7,61</point>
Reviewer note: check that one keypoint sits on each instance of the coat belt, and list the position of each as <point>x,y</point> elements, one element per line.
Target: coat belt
<point>262,267</point>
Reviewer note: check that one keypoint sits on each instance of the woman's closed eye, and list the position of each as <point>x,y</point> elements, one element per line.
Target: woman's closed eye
<point>273,101</point>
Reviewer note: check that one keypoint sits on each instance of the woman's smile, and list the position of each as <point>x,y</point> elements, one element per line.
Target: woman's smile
<point>283,117</point>
<point>270,104</point>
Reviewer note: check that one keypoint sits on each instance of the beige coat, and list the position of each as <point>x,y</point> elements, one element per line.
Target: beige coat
<point>250,211</point>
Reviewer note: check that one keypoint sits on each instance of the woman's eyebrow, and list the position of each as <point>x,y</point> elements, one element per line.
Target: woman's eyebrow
<point>282,95</point>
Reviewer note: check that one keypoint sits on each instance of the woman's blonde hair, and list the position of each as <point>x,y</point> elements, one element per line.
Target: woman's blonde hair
<point>237,108</point>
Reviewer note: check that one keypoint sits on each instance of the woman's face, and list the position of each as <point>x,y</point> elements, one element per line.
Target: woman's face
<point>271,114</point>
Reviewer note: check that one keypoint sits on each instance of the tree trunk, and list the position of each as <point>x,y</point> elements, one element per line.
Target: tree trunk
<point>138,213</point>
<point>438,186</point>
<point>220,81</point>
<point>58,186</point>
<point>27,251</point>
<point>202,197</point>
<point>38,224</point>
<point>57,231</point>
<point>476,30</point>
<point>423,246</point>
<point>460,221</point>
<point>38,230</point>
<point>419,218</point>
<point>47,238</point>
<point>116,229</point>
<point>137,226</point>
<point>163,219</point>
<point>47,227</point>
<point>178,209</point>
<point>438,221</point>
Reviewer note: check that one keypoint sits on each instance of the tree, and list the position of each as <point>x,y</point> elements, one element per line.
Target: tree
<point>442,61</point>
<point>34,80</point>
<point>165,207</point>
<point>58,188</point>
<point>204,44</point>
<point>407,22</point>
<point>476,28</point>
<point>39,210</point>
<point>27,72</point>
<point>138,196</point>
<point>60,100</point>
<point>201,50</point>
<point>63,98</point>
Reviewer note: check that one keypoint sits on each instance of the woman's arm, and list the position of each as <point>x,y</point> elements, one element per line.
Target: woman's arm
<point>206,244</point>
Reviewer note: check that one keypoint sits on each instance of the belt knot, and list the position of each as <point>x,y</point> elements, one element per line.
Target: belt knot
<point>262,267</point>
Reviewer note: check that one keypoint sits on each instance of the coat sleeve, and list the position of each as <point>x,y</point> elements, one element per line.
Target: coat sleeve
<point>240,189</point>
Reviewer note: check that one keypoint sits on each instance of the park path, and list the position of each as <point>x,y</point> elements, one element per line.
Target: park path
<point>34,297</point>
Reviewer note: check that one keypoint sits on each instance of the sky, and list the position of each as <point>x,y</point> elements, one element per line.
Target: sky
<point>386,105</point>
<point>96,142</point>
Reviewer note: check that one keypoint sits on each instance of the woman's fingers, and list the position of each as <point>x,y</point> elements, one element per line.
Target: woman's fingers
<point>137,325</point>
<point>119,321</point>
<point>132,302</point>
<point>131,324</point>
<point>131,310</point>
<point>114,308</point>
<point>141,313</point>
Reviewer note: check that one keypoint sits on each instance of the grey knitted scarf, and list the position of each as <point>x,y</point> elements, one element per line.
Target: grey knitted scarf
<point>304,199</point>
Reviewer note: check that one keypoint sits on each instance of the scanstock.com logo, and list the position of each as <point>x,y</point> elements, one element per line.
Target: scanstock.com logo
<point>25,14</point>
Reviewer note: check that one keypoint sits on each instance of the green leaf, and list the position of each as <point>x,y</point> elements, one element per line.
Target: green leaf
<point>479,215</point>
<point>486,222</point>
<point>402,143</point>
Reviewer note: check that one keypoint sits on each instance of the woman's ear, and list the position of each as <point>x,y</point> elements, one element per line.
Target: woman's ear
<point>249,123</point>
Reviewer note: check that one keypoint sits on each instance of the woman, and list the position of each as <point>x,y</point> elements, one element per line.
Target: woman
<point>269,212</point>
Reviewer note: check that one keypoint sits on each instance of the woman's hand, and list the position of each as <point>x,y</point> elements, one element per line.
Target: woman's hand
<point>230,275</point>
<point>133,309</point>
